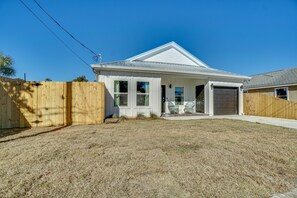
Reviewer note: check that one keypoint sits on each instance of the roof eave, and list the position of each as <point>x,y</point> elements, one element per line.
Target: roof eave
<point>270,86</point>
<point>126,69</point>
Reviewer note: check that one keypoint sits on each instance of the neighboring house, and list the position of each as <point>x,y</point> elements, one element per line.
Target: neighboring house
<point>169,79</point>
<point>281,84</point>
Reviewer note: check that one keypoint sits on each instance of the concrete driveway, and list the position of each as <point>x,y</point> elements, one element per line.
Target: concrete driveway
<point>264,120</point>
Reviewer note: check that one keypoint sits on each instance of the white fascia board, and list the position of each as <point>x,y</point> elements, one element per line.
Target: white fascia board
<point>225,84</point>
<point>146,53</point>
<point>168,45</point>
<point>188,54</point>
<point>148,70</point>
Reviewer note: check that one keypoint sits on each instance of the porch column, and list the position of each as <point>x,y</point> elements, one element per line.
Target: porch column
<point>208,94</point>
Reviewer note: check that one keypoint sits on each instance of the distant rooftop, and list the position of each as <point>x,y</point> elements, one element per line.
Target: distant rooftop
<point>273,79</point>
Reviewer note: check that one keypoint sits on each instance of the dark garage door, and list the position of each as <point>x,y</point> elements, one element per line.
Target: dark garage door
<point>225,100</point>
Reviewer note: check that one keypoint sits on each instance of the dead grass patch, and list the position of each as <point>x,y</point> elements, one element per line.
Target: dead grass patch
<point>150,158</point>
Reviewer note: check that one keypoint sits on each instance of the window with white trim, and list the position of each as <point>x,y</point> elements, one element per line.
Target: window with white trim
<point>120,93</point>
<point>179,95</point>
<point>281,93</point>
<point>143,94</point>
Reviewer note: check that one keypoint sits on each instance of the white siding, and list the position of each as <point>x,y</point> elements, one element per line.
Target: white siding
<point>189,85</point>
<point>171,56</point>
<point>132,109</point>
<point>169,53</point>
<point>223,84</point>
<point>156,81</point>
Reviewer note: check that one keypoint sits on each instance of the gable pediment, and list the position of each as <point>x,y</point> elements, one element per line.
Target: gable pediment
<point>169,53</point>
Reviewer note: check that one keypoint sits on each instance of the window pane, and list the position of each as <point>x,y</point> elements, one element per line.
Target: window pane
<point>179,91</point>
<point>121,86</point>
<point>143,87</point>
<point>143,100</point>
<point>281,93</point>
<point>179,95</point>
<point>120,99</point>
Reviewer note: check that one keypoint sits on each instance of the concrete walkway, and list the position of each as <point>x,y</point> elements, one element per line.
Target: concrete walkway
<point>292,194</point>
<point>264,120</point>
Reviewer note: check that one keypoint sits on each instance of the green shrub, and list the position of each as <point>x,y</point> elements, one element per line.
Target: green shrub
<point>123,118</point>
<point>153,116</point>
<point>140,116</point>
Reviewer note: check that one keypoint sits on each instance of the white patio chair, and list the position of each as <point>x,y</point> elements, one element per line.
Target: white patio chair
<point>189,107</point>
<point>173,109</point>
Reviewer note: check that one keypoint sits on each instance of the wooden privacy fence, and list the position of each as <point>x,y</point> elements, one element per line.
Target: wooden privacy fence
<point>263,105</point>
<point>32,104</point>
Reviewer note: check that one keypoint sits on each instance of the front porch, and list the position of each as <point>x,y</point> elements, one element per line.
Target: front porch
<point>196,95</point>
<point>183,96</point>
<point>170,115</point>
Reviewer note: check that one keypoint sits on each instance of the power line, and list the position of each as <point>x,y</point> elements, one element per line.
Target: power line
<point>57,37</point>
<point>65,30</point>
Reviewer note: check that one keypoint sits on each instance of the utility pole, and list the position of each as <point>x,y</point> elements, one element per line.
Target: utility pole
<point>100,58</point>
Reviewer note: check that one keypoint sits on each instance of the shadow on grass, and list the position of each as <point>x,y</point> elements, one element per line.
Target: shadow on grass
<point>8,132</point>
<point>32,135</point>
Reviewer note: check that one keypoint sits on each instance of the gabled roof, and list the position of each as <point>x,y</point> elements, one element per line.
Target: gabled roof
<point>165,68</point>
<point>273,79</point>
<point>166,59</point>
<point>169,53</point>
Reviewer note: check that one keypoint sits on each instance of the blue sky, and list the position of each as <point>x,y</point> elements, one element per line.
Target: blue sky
<point>245,37</point>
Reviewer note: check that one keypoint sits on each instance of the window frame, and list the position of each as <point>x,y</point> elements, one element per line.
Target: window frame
<point>121,93</point>
<point>287,92</point>
<point>178,86</point>
<point>148,93</point>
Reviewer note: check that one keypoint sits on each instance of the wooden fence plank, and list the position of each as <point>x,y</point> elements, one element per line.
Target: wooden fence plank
<point>23,104</point>
<point>4,112</point>
<point>2,94</point>
<point>268,106</point>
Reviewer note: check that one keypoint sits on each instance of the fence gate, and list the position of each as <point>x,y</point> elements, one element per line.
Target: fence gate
<point>32,104</point>
<point>263,105</point>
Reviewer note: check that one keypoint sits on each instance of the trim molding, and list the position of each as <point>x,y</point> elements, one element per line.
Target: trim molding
<point>272,86</point>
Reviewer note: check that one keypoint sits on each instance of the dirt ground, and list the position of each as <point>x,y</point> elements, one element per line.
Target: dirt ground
<point>149,158</point>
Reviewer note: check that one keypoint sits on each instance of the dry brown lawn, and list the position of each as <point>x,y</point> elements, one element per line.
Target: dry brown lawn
<point>149,158</point>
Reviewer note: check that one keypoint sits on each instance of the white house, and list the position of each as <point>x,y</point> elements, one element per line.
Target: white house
<point>169,80</point>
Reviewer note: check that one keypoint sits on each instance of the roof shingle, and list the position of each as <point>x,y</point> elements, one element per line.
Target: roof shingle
<point>270,79</point>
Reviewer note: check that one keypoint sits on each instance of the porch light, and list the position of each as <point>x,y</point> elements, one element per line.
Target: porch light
<point>211,86</point>
<point>170,85</point>
<point>241,87</point>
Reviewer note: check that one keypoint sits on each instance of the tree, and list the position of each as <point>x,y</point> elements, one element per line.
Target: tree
<point>6,68</point>
<point>80,79</point>
<point>47,79</point>
<point>20,80</point>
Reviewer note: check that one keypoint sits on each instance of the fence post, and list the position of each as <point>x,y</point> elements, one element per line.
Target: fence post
<point>68,103</point>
